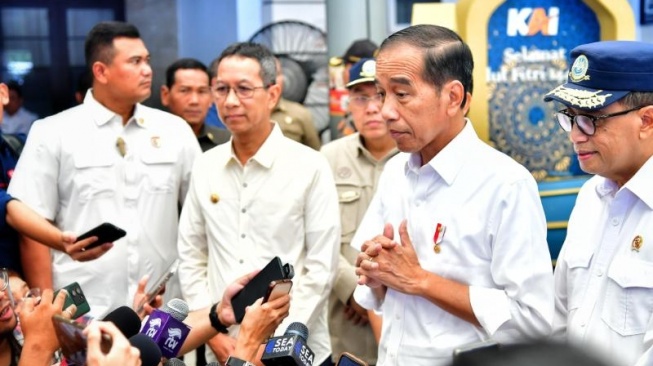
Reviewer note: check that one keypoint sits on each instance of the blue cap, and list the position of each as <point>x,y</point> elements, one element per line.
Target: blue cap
<point>604,72</point>
<point>364,71</point>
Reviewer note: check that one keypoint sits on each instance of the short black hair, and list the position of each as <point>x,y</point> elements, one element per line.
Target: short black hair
<point>99,41</point>
<point>258,52</point>
<point>446,56</point>
<point>182,64</point>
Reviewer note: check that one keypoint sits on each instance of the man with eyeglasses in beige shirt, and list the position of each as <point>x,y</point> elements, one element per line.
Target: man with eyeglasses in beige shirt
<point>261,195</point>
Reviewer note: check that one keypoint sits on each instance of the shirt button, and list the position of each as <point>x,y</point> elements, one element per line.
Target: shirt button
<point>243,210</point>
<point>241,261</point>
<point>599,273</point>
<point>615,221</point>
<point>243,236</point>
<point>245,185</point>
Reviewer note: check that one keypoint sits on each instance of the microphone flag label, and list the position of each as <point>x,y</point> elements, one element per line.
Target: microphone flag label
<point>167,332</point>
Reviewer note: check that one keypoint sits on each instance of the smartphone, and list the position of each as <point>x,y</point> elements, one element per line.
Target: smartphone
<point>106,233</point>
<point>73,341</point>
<point>347,359</point>
<point>159,285</point>
<point>259,286</point>
<point>277,289</point>
<point>75,296</point>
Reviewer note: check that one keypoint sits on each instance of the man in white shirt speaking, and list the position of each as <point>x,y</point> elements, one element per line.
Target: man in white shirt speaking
<point>260,196</point>
<point>454,240</point>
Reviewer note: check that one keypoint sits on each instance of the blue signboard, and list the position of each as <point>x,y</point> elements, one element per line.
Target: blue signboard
<point>528,55</point>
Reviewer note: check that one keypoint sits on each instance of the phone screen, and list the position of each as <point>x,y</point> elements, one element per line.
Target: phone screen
<point>73,341</point>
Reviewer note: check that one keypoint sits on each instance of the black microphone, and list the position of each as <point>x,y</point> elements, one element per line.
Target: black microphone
<point>125,319</point>
<point>150,352</point>
<point>289,349</point>
<point>166,327</point>
<point>213,364</point>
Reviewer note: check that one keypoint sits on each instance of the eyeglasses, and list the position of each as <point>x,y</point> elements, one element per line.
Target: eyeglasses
<point>364,100</point>
<point>586,123</point>
<point>242,91</point>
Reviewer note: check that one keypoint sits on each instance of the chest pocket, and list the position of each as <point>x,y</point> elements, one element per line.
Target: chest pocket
<point>160,170</point>
<point>349,199</point>
<point>577,276</point>
<point>94,176</point>
<point>629,296</point>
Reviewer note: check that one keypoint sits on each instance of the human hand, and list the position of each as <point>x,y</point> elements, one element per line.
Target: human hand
<point>222,346</point>
<point>140,304</point>
<point>77,249</point>
<point>396,267</point>
<point>36,319</point>
<point>355,313</point>
<point>121,352</point>
<point>369,251</point>
<point>225,310</point>
<point>260,322</point>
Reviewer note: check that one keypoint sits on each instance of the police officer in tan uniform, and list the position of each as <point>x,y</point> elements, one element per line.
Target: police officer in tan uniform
<point>295,120</point>
<point>356,161</point>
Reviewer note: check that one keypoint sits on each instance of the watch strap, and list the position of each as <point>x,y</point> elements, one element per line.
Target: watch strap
<point>215,320</point>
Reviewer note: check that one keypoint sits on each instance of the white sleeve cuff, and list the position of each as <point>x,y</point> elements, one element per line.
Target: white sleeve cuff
<point>365,297</point>
<point>491,307</point>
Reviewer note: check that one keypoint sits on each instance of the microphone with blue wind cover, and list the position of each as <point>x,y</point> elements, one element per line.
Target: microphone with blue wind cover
<point>289,349</point>
<point>166,328</point>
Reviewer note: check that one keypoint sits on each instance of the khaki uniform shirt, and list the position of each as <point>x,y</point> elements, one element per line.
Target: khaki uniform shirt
<point>296,123</point>
<point>356,174</point>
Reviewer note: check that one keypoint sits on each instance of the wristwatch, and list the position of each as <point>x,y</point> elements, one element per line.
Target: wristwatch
<point>215,321</point>
<point>233,361</point>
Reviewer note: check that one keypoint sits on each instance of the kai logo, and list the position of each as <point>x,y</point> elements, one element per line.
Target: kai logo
<point>531,21</point>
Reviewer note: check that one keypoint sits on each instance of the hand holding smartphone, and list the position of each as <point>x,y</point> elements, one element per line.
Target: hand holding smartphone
<point>347,359</point>
<point>158,286</point>
<point>73,341</point>
<point>75,296</point>
<point>277,289</point>
<point>106,233</point>
<point>259,286</point>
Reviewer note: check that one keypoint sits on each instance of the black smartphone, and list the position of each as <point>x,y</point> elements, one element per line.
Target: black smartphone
<point>347,359</point>
<point>106,233</point>
<point>277,289</point>
<point>75,296</point>
<point>158,285</point>
<point>73,342</point>
<point>259,285</point>
<point>475,348</point>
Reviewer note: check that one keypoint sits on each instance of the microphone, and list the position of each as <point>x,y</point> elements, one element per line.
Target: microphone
<point>125,319</point>
<point>289,349</point>
<point>150,352</point>
<point>166,327</point>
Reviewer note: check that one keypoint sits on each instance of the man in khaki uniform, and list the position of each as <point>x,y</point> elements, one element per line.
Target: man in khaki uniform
<point>356,161</point>
<point>295,120</point>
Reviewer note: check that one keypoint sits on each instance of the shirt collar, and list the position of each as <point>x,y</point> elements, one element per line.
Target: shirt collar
<point>268,151</point>
<point>102,115</point>
<point>361,150</point>
<point>450,160</point>
<point>640,183</point>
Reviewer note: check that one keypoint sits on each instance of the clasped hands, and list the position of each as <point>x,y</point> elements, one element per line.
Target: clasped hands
<point>384,263</point>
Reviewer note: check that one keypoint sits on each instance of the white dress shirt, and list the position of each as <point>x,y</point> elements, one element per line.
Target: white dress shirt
<point>71,172</point>
<point>603,282</point>
<point>495,242</point>
<point>282,202</point>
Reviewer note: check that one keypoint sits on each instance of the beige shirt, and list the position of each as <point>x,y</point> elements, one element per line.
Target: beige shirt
<point>296,123</point>
<point>356,173</point>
